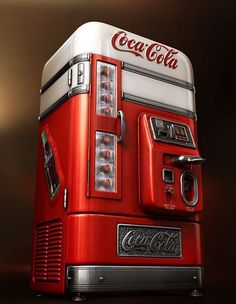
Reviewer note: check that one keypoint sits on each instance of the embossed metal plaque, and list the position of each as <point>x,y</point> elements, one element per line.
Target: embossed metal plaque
<point>148,241</point>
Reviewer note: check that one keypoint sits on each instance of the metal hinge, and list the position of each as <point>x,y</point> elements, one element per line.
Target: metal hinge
<point>65,198</point>
<point>69,77</point>
<point>80,73</point>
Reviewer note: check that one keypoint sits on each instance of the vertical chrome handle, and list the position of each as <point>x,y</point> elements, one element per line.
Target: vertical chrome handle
<point>120,138</point>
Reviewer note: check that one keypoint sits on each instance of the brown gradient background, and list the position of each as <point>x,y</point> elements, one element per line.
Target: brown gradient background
<point>31,31</point>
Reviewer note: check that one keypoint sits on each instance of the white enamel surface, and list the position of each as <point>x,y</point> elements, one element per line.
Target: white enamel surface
<point>61,87</point>
<point>57,61</point>
<point>56,91</point>
<point>95,37</point>
<point>157,91</point>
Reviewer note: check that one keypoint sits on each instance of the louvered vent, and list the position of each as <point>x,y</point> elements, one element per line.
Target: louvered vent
<point>47,267</point>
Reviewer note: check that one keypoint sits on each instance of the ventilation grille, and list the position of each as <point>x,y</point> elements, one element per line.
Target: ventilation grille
<point>47,267</point>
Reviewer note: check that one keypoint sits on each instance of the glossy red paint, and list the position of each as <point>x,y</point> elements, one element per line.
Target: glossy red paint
<point>89,223</point>
<point>82,149</point>
<point>154,156</point>
<point>92,239</point>
<point>47,209</point>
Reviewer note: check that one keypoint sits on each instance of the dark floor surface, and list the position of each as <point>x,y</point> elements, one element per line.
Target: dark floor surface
<point>15,289</point>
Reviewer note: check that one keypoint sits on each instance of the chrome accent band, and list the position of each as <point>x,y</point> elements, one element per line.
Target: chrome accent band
<point>157,105</point>
<point>65,198</point>
<point>132,278</point>
<point>81,89</point>
<point>158,76</point>
<point>51,81</point>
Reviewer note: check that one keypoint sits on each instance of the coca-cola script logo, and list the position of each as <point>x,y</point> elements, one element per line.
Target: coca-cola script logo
<point>148,241</point>
<point>155,52</point>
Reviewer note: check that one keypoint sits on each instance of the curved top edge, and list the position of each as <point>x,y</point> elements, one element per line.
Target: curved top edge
<point>103,39</point>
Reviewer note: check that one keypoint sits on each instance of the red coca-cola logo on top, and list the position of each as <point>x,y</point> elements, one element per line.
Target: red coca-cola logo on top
<point>155,52</point>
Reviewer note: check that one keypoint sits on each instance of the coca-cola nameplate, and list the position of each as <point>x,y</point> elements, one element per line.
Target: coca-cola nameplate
<point>153,52</point>
<point>148,241</point>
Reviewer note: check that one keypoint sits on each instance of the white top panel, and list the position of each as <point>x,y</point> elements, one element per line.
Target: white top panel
<point>155,90</point>
<point>103,39</point>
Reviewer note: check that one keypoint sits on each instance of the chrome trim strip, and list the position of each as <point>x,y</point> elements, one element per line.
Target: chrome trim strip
<point>81,89</point>
<point>157,105</point>
<point>97,278</point>
<point>51,81</point>
<point>65,198</point>
<point>158,76</point>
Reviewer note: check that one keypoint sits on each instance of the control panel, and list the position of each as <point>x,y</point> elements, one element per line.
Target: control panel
<point>169,166</point>
<point>171,132</point>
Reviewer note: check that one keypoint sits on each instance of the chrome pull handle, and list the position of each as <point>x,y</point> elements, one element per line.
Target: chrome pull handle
<point>187,160</point>
<point>120,138</point>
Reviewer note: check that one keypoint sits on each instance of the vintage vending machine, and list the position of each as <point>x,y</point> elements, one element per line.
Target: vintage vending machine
<point>118,188</point>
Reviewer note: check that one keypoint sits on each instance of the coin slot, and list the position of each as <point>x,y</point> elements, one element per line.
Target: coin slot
<point>189,188</point>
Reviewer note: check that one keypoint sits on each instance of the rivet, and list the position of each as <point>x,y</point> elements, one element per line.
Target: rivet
<point>101,279</point>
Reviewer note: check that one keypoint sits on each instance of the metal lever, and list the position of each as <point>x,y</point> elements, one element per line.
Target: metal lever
<point>187,160</point>
<point>120,138</point>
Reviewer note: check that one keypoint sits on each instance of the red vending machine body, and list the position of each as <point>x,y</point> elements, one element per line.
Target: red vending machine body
<point>118,190</point>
